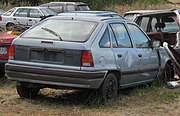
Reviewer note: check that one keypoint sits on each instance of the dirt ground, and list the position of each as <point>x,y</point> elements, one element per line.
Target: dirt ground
<point>157,102</point>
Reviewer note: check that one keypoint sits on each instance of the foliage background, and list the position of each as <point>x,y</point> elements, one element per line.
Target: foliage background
<point>94,4</point>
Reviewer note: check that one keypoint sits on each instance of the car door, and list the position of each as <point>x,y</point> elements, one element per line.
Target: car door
<point>149,63</point>
<point>21,16</point>
<point>34,16</point>
<point>126,56</point>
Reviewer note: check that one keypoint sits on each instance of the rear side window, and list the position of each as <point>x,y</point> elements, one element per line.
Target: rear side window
<point>70,8</point>
<point>56,7</point>
<point>63,30</point>
<point>121,35</point>
<point>105,41</point>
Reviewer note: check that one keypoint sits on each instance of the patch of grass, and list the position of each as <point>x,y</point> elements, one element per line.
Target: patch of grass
<point>169,96</point>
<point>17,101</point>
<point>10,84</point>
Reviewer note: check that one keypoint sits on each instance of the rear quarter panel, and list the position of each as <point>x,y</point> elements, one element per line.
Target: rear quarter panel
<point>103,57</point>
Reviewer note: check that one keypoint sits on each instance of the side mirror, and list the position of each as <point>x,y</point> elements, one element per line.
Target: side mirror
<point>156,43</point>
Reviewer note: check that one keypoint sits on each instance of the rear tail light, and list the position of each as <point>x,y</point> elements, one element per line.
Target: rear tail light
<point>87,59</point>
<point>0,18</point>
<point>11,52</point>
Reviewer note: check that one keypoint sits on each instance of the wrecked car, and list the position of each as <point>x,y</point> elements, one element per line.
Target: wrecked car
<point>5,42</point>
<point>161,25</point>
<point>101,53</point>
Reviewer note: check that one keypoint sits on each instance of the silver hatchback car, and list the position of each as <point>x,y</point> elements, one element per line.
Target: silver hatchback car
<point>102,53</point>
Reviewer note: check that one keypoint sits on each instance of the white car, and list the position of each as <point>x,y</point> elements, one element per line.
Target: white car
<point>25,15</point>
<point>131,15</point>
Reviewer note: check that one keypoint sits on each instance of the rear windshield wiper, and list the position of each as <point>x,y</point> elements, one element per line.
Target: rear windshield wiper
<point>52,32</point>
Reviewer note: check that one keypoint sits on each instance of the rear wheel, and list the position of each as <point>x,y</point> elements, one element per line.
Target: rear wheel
<point>26,92</point>
<point>109,88</point>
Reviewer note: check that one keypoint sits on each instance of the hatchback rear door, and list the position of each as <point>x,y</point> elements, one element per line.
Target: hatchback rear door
<point>49,45</point>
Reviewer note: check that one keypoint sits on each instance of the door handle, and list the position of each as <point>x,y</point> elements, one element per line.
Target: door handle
<point>140,55</point>
<point>30,19</point>
<point>14,18</point>
<point>119,55</point>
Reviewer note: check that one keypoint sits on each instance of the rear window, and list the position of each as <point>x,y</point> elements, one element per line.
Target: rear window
<point>47,11</point>
<point>83,7</point>
<point>129,16</point>
<point>63,30</point>
<point>9,12</point>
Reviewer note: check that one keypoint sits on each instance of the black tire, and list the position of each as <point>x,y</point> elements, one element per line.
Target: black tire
<point>168,73</point>
<point>10,26</point>
<point>26,92</point>
<point>109,88</point>
<point>2,72</point>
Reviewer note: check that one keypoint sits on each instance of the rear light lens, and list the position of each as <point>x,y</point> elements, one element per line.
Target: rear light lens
<point>0,18</point>
<point>11,52</point>
<point>87,59</point>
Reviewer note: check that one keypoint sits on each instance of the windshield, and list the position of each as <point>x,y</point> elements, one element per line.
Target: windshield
<point>62,30</point>
<point>47,11</point>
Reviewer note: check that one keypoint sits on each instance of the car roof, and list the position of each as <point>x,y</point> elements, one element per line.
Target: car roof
<point>69,2</point>
<point>168,11</point>
<point>139,11</point>
<point>90,13</point>
<point>77,3</point>
<point>30,7</point>
<point>89,18</point>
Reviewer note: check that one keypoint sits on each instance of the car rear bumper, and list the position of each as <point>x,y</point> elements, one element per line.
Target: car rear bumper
<point>57,77</point>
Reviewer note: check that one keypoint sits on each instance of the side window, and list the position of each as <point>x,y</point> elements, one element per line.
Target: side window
<point>121,35</point>
<point>105,40</point>
<point>138,36</point>
<point>144,23</point>
<point>22,12</point>
<point>57,7</point>
<point>34,13</point>
<point>70,8</point>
